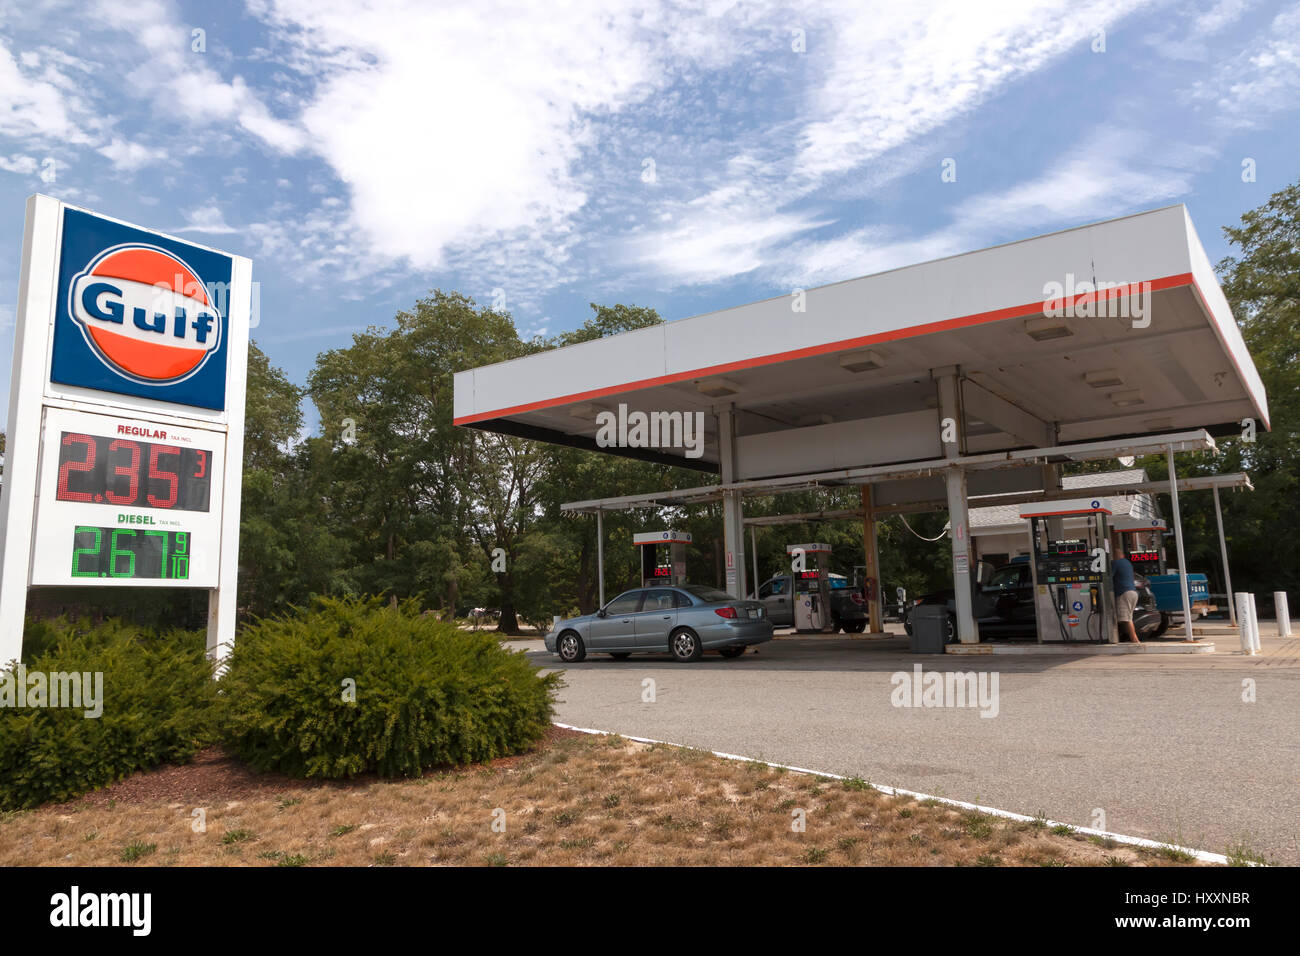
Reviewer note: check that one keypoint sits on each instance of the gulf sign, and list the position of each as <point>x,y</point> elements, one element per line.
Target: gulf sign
<point>138,313</point>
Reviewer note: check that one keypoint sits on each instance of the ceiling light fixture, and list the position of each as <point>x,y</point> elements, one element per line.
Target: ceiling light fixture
<point>717,387</point>
<point>862,361</point>
<point>1046,327</point>
<point>1104,378</point>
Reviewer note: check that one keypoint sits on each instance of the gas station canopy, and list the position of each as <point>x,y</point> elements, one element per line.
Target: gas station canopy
<point>928,386</point>
<point>844,375</point>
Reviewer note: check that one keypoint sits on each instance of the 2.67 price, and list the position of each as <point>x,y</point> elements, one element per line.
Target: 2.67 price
<point>127,553</point>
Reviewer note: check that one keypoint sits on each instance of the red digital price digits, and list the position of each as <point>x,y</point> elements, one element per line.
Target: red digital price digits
<point>134,474</point>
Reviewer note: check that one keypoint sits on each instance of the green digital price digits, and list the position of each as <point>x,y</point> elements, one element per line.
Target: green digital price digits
<point>125,553</point>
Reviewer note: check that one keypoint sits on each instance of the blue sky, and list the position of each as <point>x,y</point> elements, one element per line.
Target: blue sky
<point>685,157</point>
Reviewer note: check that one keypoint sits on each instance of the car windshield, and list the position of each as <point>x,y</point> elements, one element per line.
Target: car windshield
<point>1007,577</point>
<point>708,595</point>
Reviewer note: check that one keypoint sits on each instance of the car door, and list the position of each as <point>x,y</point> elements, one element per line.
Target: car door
<point>1000,596</point>
<point>1024,614</point>
<point>617,629</point>
<point>775,595</point>
<point>657,617</point>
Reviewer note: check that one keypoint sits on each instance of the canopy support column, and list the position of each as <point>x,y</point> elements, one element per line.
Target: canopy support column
<point>1223,553</point>
<point>952,435</point>
<point>733,513</point>
<point>1178,536</point>
<point>871,553</point>
<point>600,555</point>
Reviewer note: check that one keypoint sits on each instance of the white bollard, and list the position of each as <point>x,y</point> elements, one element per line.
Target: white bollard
<point>1243,622</point>
<point>1254,623</point>
<point>1283,614</point>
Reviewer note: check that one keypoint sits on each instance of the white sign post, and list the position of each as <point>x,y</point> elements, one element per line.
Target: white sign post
<point>125,440</point>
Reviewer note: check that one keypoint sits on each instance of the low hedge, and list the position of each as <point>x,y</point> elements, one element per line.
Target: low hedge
<point>157,707</point>
<point>350,686</point>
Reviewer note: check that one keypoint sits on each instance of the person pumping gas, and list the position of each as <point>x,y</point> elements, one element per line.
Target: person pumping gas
<point>1126,595</point>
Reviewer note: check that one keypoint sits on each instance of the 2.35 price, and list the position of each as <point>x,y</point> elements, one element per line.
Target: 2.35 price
<point>133,474</point>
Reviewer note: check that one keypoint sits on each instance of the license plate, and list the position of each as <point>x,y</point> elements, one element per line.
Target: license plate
<point>753,613</point>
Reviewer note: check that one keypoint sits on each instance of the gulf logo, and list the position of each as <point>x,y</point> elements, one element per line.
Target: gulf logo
<point>145,313</point>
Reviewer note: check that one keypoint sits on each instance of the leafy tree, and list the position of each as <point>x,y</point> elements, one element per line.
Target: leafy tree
<point>1262,284</point>
<point>1261,527</point>
<point>285,550</point>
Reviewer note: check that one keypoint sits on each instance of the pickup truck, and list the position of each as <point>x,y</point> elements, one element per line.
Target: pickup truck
<point>1169,602</point>
<point>848,604</point>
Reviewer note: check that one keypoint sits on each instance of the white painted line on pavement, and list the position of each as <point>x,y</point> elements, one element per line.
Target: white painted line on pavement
<point>1203,856</point>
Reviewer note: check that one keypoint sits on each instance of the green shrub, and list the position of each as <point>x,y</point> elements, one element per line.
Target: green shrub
<point>158,707</point>
<point>425,694</point>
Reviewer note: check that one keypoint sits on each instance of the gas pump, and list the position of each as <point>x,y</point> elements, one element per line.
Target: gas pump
<point>663,557</point>
<point>1145,546</point>
<point>812,588</point>
<point>1144,542</point>
<point>1073,597</point>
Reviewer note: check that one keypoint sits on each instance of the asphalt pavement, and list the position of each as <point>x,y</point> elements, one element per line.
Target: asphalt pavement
<point>1164,747</point>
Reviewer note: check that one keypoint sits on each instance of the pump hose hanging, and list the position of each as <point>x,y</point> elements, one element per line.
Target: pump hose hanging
<point>921,536</point>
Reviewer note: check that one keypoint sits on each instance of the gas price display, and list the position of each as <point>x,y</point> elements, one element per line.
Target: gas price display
<point>133,474</point>
<point>122,500</point>
<point>129,553</point>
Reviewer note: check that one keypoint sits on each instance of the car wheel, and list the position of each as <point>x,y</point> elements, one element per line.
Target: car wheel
<point>571,648</point>
<point>621,655</point>
<point>685,645</point>
<point>1164,625</point>
<point>857,627</point>
<point>732,651</point>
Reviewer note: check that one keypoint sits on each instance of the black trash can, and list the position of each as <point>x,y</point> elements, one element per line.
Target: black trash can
<point>929,628</point>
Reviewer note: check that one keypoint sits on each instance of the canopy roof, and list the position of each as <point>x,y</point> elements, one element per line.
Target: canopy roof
<point>850,379</point>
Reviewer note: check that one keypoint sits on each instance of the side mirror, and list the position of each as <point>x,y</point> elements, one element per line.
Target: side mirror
<point>602,613</point>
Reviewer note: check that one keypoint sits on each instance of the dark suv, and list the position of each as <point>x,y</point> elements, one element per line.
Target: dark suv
<point>1003,603</point>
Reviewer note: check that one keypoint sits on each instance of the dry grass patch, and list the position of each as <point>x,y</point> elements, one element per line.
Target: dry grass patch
<point>577,800</point>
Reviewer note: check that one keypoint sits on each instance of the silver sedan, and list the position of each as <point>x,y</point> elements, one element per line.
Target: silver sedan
<point>685,621</point>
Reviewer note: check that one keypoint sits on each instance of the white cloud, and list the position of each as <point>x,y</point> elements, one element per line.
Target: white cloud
<point>898,71</point>
<point>209,219</point>
<point>1110,176</point>
<point>182,84</point>
<point>464,126</point>
<point>33,107</point>
<point>17,163</point>
<point>1220,16</point>
<point>1260,81</point>
<point>1109,173</point>
<point>885,75</point>
<point>501,143</point>
<point>130,156</point>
